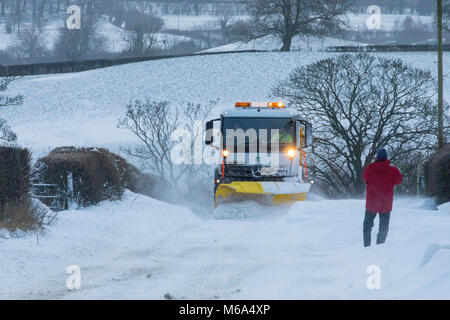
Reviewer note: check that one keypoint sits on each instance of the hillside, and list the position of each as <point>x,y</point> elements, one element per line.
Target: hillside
<point>83,108</point>
<point>271,43</point>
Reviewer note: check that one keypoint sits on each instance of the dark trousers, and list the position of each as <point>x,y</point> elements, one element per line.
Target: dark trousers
<point>382,230</point>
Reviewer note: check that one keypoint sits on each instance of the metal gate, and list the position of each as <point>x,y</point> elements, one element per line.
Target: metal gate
<point>50,195</point>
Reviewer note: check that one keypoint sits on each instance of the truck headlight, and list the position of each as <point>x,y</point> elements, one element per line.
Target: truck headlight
<point>291,153</point>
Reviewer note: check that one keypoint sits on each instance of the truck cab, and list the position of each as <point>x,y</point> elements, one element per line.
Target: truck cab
<point>263,149</point>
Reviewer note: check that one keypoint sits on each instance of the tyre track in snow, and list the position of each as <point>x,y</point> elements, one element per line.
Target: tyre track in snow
<point>312,250</point>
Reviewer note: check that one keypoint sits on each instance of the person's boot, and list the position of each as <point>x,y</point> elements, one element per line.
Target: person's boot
<point>381,237</point>
<point>367,239</point>
<point>384,228</point>
<point>367,227</point>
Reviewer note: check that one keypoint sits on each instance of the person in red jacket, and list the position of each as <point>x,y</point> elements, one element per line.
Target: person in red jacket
<point>380,178</point>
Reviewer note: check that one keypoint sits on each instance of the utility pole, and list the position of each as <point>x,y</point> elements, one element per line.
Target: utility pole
<point>440,78</point>
<point>419,174</point>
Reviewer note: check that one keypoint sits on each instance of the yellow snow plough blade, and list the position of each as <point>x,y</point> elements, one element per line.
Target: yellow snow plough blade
<point>267,192</point>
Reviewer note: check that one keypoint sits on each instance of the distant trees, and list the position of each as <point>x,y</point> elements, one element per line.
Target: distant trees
<point>141,33</point>
<point>358,104</point>
<point>423,7</point>
<point>288,18</point>
<point>223,20</point>
<point>446,15</point>
<point>410,31</point>
<point>80,43</point>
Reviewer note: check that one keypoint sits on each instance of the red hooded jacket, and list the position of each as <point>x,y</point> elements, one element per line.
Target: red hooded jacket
<point>381,178</point>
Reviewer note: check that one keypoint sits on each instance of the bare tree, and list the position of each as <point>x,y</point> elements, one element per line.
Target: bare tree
<point>358,104</point>
<point>16,15</point>
<point>446,15</point>
<point>30,42</point>
<point>288,18</point>
<point>409,31</point>
<point>194,114</point>
<point>6,101</point>
<point>2,7</point>
<point>6,133</point>
<point>141,33</point>
<point>154,123</point>
<point>80,43</point>
<point>223,20</point>
<point>242,30</point>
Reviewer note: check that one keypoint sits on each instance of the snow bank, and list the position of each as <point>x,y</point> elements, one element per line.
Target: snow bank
<point>35,266</point>
<point>445,208</point>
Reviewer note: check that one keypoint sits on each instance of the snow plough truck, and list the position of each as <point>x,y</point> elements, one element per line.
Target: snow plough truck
<point>263,149</point>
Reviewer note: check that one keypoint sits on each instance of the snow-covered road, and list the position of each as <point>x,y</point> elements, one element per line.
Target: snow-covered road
<point>141,248</point>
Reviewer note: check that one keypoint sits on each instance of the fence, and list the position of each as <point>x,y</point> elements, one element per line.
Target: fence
<point>84,65</point>
<point>50,195</point>
<point>388,48</point>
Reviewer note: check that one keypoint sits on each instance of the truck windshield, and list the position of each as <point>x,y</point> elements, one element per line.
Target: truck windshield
<point>285,126</point>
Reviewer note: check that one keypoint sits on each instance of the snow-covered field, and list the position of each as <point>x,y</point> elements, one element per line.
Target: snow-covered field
<point>141,248</point>
<point>83,108</point>
<point>271,43</point>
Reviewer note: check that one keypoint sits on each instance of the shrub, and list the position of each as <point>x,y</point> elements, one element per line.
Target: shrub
<point>437,175</point>
<point>17,210</point>
<point>14,175</point>
<point>25,216</point>
<point>96,174</point>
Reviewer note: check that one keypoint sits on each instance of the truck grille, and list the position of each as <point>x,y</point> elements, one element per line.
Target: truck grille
<point>255,172</point>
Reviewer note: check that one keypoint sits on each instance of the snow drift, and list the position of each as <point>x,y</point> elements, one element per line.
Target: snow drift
<point>141,248</point>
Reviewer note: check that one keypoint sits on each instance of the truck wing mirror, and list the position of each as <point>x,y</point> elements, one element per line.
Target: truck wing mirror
<point>209,137</point>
